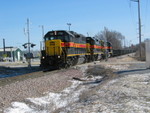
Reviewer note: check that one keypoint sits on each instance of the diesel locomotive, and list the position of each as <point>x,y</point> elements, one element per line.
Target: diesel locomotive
<point>67,48</point>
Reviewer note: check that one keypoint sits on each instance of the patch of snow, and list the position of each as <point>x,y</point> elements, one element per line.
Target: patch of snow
<point>118,67</point>
<point>50,102</point>
<point>82,67</point>
<point>18,107</point>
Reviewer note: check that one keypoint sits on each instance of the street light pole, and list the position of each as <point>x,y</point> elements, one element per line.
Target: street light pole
<point>69,24</point>
<point>42,26</point>
<point>4,45</point>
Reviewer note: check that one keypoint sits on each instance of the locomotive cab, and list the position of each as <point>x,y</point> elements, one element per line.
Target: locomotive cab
<point>55,50</point>
<point>54,41</point>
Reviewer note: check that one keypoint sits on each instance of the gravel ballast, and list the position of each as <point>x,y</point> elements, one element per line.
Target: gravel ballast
<point>53,82</point>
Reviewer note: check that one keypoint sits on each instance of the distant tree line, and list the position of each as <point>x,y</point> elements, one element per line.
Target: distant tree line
<point>118,42</point>
<point>114,37</point>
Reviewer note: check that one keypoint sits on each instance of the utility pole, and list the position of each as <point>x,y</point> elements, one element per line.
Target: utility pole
<point>139,19</point>
<point>139,29</point>
<point>69,24</point>
<point>29,53</point>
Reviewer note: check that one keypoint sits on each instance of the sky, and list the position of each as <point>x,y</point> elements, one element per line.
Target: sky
<point>86,17</point>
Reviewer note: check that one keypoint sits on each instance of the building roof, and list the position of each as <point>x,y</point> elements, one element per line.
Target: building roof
<point>9,49</point>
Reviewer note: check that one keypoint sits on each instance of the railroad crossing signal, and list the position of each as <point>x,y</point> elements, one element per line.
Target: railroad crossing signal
<point>29,55</point>
<point>28,44</point>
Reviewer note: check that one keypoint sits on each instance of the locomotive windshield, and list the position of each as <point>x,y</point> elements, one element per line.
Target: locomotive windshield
<point>57,35</point>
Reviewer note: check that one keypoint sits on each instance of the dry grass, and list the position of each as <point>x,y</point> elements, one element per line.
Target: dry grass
<point>98,70</point>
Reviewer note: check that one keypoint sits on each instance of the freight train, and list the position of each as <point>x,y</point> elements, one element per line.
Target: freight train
<point>68,48</point>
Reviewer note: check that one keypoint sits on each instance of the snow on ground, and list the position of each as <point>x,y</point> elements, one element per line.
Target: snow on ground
<point>128,94</point>
<point>125,94</point>
<point>49,102</point>
<point>19,107</point>
<point>118,67</point>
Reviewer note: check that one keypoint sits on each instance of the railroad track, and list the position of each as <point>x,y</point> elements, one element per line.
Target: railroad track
<point>14,75</point>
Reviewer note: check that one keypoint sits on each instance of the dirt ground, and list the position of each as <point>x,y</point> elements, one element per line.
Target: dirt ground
<point>120,85</point>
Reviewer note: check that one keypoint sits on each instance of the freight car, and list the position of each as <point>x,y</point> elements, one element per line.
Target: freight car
<point>119,52</point>
<point>68,48</point>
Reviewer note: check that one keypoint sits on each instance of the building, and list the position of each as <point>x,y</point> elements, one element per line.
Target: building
<point>11,54</point>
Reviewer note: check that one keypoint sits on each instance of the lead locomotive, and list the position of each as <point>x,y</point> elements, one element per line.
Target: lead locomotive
<point>68,48</point>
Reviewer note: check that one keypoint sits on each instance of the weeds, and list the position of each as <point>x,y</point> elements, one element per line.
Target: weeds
<point>99,70</point>
<point>95,71</point>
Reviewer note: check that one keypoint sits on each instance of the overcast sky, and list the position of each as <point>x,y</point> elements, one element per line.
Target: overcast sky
<point>85,16</point>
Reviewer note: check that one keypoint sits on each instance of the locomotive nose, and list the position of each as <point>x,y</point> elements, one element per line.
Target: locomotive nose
<point>53,47</point>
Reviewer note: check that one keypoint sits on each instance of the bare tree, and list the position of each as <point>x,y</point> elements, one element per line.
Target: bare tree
<point>113,37</point>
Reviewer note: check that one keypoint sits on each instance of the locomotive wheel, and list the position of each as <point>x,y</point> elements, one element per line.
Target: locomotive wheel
<point>66,65</point>
<point>69,62</point>
<point>74,61</point>
<point>95,57</point>
<point>88,58</point>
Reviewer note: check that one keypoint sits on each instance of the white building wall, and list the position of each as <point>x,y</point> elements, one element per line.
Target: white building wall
<point>147,54</point>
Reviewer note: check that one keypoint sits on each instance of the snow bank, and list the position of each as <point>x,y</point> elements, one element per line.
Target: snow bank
<point>18,107</point>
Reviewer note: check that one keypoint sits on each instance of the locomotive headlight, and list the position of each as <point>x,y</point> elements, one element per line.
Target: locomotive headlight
<point>58,56</point>
<point>43,57</point>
